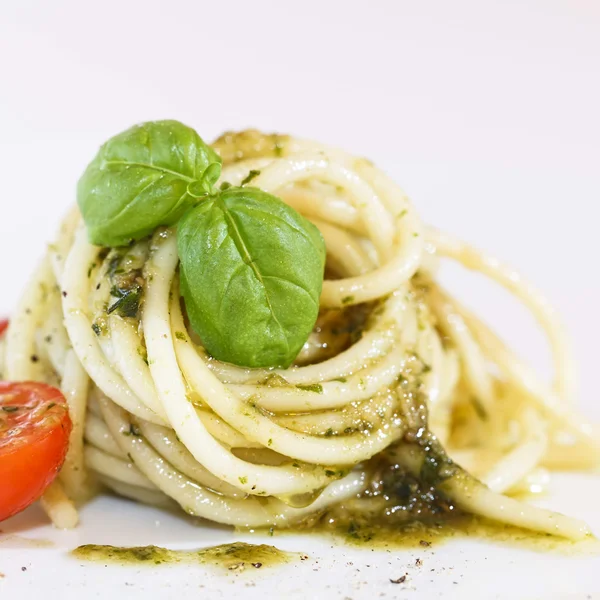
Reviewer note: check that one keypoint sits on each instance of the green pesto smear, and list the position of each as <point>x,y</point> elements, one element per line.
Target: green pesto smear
<point>368,533</point>
<point>233,557</point>
<point>407,512</point>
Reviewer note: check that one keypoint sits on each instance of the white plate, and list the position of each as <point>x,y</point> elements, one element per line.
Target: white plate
<point>486,112</point>
<point>35,561</point>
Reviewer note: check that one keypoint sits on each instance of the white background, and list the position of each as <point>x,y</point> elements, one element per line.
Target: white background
<point>486,112</point>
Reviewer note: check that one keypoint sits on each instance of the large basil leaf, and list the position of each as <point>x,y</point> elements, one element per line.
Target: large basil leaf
<point>251,277</point>
<point>144,177</point>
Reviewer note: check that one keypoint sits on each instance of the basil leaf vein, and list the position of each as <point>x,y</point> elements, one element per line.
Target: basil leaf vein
<point>244,252</point>
<point>121,163</point>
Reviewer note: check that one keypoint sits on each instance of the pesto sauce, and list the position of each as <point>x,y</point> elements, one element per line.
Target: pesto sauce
<point>368,534</point>
<point>241,145</point>
<point>408,511</point>
<point>233,557</point>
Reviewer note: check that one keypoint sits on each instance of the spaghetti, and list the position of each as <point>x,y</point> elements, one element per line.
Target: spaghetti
<point>397,382</point>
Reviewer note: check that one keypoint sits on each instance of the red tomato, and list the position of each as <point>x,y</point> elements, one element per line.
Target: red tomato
<point>3,326</point>
<point>34,436</point>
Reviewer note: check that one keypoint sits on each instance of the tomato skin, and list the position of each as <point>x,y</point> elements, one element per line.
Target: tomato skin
<point>34,437</point>
<point>3,326</point>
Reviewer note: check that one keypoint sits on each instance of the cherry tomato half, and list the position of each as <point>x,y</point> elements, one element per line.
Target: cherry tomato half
<point>34,436</point>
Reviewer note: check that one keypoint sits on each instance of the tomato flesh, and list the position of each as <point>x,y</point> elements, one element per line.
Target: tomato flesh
<point>34,437</point>
<point>3,326</point>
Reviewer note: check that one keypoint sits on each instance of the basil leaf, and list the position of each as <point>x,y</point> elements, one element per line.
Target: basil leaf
<point>144,177</point>
<point>251,276</point>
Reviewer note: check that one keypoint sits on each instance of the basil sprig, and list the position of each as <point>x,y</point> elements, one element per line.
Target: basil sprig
<point>251,267</point>
<point>251,273</point>
<point>144,177</point>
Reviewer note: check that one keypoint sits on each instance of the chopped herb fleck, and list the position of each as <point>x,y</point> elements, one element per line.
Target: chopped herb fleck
<point>180,335</point>
<point>113,265</point>
<point>142,352</point>
<point>402,380</point>
<point>347,299</point>
<point>353,530</point>
<point>317,388</point>
<point>243,480</point>
<point>274,380</point>
<point>252,175</point>
<point>96,328</point>
<point>479,408</point>
<point>10,409</point>
<point>133,430</point>
<point>128,302</point>
<point>329,432</point>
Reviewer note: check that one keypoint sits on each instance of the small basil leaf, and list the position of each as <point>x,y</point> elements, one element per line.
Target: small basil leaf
<point>251,276</point>
<point>211,174</point>
<point>141,178</point>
